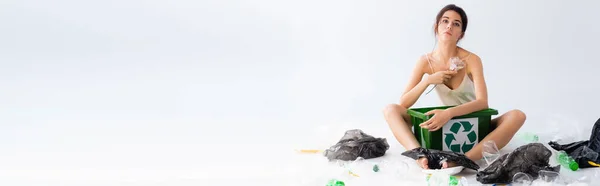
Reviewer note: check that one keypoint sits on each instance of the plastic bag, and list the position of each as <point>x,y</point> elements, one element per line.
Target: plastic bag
<point>583,151</point>
<point>527,159</point>
<point>355,143</point>
<point>435,158</point>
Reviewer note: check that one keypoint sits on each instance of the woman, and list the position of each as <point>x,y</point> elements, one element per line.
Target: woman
<point>463,88</point>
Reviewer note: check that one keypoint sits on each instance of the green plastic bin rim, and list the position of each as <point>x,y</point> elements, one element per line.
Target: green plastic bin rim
<point>420,112</point>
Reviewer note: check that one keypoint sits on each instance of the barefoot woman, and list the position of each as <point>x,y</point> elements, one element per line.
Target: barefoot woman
<point>464,88</point>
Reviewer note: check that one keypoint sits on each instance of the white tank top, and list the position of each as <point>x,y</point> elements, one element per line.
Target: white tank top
<point>465,92</point>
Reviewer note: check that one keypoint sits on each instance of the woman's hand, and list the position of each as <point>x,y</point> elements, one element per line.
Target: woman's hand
<point>440,117</point>
<point>440,77</point>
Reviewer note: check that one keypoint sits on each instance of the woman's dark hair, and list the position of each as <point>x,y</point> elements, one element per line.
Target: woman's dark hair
<point>459,10</point>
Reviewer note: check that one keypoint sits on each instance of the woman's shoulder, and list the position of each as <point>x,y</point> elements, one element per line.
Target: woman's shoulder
<point>423,63</point>
<point>467,55</point>
<point>471,59</point>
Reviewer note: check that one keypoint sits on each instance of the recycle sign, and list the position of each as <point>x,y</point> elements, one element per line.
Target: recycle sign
<point>460,135</point>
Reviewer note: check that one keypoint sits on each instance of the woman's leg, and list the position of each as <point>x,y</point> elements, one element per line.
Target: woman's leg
<point>399,122</point>
<point>506,126</point>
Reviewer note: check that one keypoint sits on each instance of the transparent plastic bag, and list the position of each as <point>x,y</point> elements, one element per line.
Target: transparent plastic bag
<point>490,152</point>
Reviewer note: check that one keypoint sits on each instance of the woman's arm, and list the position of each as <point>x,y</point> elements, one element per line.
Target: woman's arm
<point>415,86</point>
<point>481,97</point>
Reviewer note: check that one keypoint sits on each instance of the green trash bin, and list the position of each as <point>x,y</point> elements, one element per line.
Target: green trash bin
<point>460,134</point>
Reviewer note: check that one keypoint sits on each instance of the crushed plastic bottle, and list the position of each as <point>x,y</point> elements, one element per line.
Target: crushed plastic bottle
<point>456,63</point>
<point>335,182</point>
<point>490,152</point>
<point>522,178</point>
<point>529,137</point>
<point>566,161</point>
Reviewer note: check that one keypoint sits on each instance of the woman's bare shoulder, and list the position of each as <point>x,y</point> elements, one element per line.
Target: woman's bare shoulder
<point>471,60</point>
<point>468,56</point>
<point>423,63</point>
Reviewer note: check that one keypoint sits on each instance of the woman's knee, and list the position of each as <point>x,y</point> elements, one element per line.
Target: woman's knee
<point>519,115</point>
<point>393,109</point>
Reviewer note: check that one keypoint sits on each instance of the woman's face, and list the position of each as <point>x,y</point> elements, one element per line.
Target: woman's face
<point>450,27</point>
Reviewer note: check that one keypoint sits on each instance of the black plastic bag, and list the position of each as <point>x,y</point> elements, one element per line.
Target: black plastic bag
<point>583,151</point>
<point>435,158</point>
<point>528,159</point>
<point>355,143</point>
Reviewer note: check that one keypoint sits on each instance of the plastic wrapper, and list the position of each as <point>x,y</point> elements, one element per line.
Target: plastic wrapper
<point>435,158</point>
<point>583,152</point>
<point>355,143</point>
<point>528,159</point>
<point>490,152</point>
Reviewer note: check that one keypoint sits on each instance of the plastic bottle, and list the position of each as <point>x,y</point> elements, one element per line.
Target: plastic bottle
<point>566,161</point>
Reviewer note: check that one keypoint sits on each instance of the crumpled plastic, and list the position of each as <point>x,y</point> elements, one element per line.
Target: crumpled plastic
<point>583,151</point>
<point>435,158</point>
<point>456,63</point>
<point>355,143</point>
<point>490,152</point>
<point>527,159</point>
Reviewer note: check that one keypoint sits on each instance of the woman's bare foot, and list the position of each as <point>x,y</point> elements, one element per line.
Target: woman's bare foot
<point>423,163</point>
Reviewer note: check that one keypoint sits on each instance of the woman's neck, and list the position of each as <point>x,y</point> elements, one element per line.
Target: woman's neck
<point>445,51</point>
